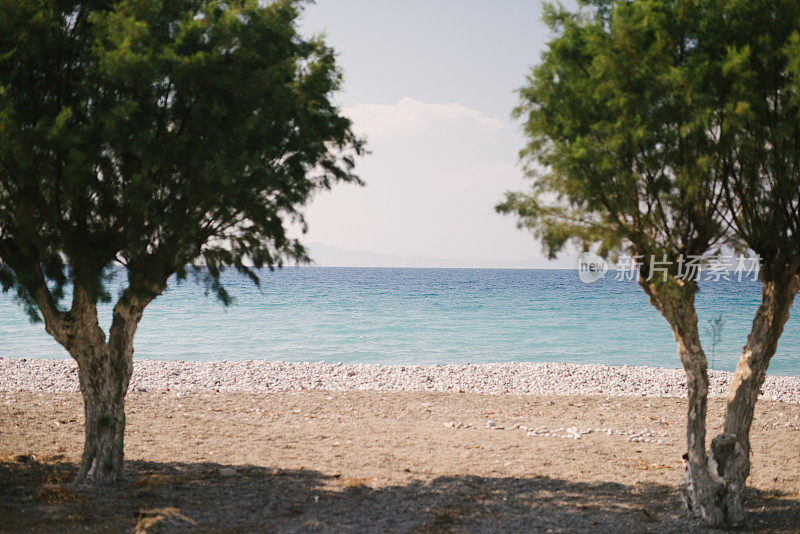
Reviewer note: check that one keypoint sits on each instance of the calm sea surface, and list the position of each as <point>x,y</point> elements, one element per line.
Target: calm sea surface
<point>409,316</point>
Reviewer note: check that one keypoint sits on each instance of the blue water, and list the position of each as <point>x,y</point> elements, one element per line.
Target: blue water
<point>409,316</point>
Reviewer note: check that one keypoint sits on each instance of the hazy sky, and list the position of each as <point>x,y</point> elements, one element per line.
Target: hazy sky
<point>431,84</point>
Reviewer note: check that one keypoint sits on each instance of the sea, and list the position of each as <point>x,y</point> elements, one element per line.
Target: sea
<point>424,316</point>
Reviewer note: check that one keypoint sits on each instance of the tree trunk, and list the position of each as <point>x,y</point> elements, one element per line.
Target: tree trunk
<point>104,370</point>
<point>104,378</point>
<point>104,367</point>
<point>732,448</point>
<point>700,487</point>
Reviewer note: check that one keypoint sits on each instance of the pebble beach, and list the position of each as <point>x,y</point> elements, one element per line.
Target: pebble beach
<point>181,377</point>
<point>298,447</point>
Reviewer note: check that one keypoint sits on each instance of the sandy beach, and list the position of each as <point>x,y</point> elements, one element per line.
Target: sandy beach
<point>378,461</point>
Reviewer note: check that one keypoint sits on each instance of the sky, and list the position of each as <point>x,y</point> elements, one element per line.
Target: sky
<point>431,85</point>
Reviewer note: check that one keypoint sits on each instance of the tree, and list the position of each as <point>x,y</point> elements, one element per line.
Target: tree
<point>762,190</point>
<point>646,136</point>
<point>172,139</point>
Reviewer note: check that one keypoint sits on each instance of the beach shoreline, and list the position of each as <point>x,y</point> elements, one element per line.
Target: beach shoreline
<point>312,447</point>
<point>259,376</point>
<point>434,448</point>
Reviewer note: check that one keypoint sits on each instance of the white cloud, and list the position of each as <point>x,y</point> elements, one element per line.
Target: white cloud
<point>412,117</point>
<point>410,133</point>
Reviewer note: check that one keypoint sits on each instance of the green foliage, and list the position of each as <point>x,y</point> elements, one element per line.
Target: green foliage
<point>621,117</point>
<point>666,127</point>
<point>763,183</point>
<point>168,137</point>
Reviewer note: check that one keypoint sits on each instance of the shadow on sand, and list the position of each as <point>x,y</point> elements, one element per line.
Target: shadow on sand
<point>155,497</point>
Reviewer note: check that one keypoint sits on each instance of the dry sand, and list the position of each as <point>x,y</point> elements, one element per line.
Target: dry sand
<point>371,461</point>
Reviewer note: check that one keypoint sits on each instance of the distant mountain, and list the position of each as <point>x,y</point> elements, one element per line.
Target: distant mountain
<point>329,256</point>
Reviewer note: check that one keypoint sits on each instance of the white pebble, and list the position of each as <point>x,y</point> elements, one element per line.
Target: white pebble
<point>182,378</point>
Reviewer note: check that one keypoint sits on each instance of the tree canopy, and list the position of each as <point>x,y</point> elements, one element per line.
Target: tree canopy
<point>622,146</point>
<point>163,136</point>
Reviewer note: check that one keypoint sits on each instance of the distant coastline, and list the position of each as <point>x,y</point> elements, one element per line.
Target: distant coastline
<point>324,255</point>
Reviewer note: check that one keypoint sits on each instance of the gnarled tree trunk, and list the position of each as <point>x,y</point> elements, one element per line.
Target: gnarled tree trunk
<point>700,487</point>
<point>104,376</point>
<point>712,485</point>
<point>732,447</point>
<point>104,370</point>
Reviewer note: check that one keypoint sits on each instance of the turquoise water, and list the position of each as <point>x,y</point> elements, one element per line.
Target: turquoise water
<point>408,316</point>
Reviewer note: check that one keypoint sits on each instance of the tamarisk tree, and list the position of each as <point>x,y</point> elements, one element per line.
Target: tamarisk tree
<point>669,130</point>
<point>172,139</point>
<point>762,190</point>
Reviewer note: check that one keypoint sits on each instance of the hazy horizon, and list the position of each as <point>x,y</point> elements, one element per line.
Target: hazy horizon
<point>324,255</point>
